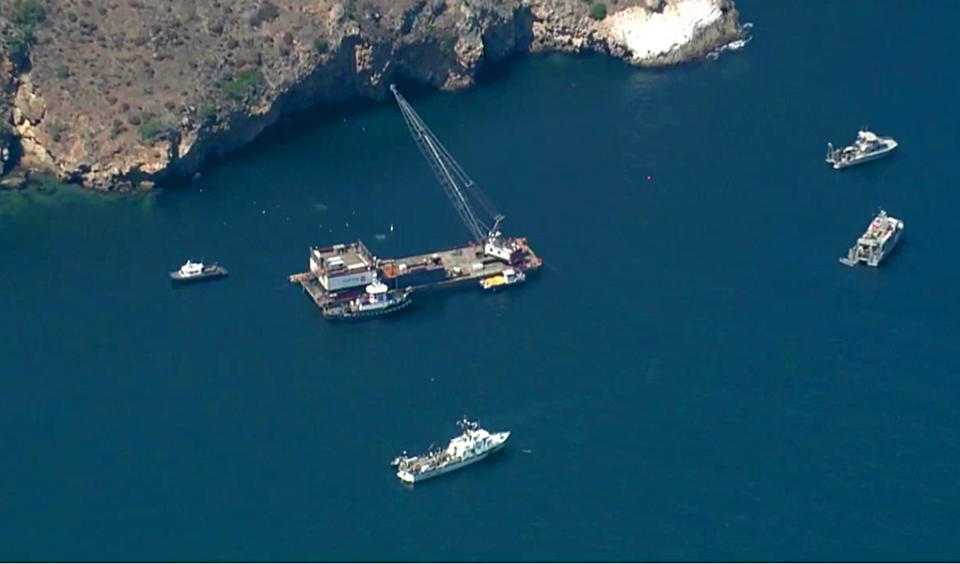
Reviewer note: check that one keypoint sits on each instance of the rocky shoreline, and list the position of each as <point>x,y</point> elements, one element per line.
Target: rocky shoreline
<point>118,94</point>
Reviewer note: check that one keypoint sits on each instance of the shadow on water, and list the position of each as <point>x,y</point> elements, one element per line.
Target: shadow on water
<point>497,71</point>
<point>872,171</point>
<point>501,70</point>
<point>289,128</point>
<point>187,285</point>
<point>297,125</point>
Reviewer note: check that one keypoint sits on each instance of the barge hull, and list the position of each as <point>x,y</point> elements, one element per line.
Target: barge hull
<point>430,271</point>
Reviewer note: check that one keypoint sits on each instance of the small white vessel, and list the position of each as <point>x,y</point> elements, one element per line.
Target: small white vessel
<point>472,445</point>
<point>196,271</point>
<point>881,236</point>
<point>868,146</point>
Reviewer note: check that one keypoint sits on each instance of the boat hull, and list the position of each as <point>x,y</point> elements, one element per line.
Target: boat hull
<point>838,165</point>
<point>852,259</point>
<point>494,283</point>
<point>411,478</point>
<point>205,276</point>
<point>499,287</point>
<point>345,315</point>
<point>888,248</point>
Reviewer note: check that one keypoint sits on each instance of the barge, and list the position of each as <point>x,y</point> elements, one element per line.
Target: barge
<point>339,273</point>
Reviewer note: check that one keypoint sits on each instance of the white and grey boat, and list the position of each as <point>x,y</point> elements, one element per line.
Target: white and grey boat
<point>881,236</point>
<point>197,271</point>
<point>472,445</point>
<point>376,300</point>
<point>868,146</point>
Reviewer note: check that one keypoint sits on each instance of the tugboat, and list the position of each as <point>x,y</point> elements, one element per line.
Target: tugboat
<point>868,146</point>
<point>197,271</point>
<point>877,241</point>
<point>506,278</point>
<point>376,300</point>
<point>472,445</point>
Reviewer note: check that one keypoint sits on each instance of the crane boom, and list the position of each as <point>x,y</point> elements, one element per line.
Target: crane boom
<point>448,171</point>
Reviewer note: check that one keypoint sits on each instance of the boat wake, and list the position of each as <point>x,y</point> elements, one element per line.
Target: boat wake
<point>735,45</point>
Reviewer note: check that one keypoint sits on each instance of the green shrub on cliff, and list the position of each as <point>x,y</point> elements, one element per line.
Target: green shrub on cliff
<point>210,113</point>
<point>27,14</point>
<point>598,10</point>
<point>320,45</point>
<point>151,129</point>
<point>243,86</point>
<point>17,46</point>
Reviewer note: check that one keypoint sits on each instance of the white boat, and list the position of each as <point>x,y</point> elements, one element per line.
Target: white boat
<point>868,146</point>
<point>196,271</point>
<point>881,236</point>
<point>376,300</point>
<point>472,445</point>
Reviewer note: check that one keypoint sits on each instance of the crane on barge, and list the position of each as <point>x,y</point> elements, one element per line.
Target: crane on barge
<point>340,273</point>
<point>458,185</point>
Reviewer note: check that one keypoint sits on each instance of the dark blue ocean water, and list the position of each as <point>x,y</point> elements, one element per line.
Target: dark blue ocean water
<point>694,375</point>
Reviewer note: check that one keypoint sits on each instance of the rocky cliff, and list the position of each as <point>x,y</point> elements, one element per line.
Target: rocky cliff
<point>120,93</point>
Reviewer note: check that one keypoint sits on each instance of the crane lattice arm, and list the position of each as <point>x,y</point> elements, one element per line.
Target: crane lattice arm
<point>450,174</point>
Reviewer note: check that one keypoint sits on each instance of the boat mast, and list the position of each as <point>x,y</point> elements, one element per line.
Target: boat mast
<point>451,175</point>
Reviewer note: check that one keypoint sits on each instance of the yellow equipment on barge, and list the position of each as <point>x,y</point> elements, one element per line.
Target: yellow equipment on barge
<point>506,278</point>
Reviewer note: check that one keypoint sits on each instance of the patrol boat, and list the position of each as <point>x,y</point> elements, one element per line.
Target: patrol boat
<point>376,300</point>
<point>196,271</point>
<point>867,147</point>
<point>878,240</point>
<point>472,445</point>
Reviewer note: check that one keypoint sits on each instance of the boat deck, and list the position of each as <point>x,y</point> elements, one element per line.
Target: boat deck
<point>460,265</point>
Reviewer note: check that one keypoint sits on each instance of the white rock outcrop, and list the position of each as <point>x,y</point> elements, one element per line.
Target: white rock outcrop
<point>648,35</point>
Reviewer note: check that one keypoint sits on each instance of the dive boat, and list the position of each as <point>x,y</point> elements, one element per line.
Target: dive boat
<point>376,300</point>
<point>472,445</point>
<point>868,146</point>
<point>197,271</point>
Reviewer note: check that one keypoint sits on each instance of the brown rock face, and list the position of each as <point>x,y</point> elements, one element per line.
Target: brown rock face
<point>124,92</point>
<point>7,88</point>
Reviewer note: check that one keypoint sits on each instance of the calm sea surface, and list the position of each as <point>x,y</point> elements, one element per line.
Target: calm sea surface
<point>693,376</point>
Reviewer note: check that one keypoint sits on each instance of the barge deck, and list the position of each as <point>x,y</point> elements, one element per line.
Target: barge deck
<point>452,267</point>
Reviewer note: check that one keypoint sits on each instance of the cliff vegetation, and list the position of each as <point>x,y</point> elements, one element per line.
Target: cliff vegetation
<point>119,93</point>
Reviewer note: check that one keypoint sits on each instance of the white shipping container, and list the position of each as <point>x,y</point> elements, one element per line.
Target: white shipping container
<point>334,283</point>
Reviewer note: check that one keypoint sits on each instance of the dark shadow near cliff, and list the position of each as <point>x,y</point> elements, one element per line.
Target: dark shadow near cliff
<point>296,126</point>
<point>497,71</point>
<point>291,128</point>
